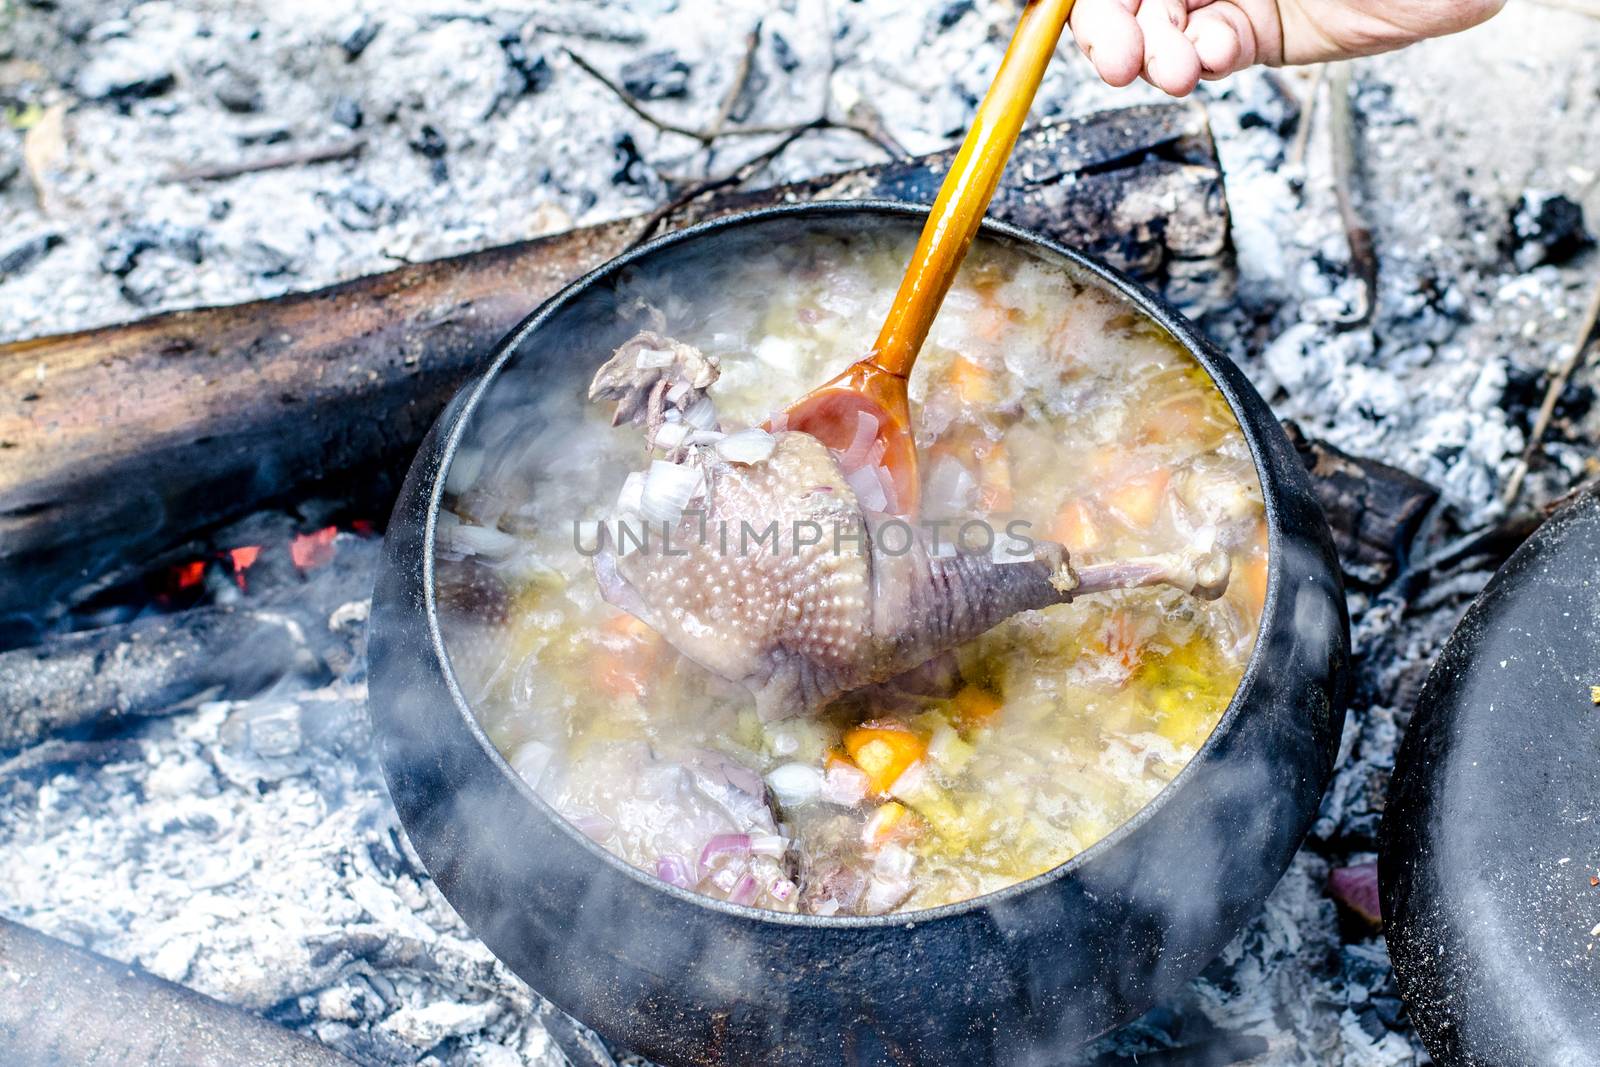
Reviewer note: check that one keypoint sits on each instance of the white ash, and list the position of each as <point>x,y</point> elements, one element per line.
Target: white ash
<point>253,854</point>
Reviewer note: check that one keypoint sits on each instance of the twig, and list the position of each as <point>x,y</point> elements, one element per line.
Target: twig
<point>1341,127</point>
<point>703,136</point>
<point>741,78</point>
<point>300,157</point>
<point>1552,396</point>
<point>57,752</point>
<point>738,176</point>
<point>1302,134</point>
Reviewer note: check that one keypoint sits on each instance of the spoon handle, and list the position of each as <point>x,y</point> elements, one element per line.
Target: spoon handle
<point>970,185</point>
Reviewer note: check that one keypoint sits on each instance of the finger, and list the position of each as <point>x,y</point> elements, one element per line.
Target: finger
<point>1170,62</point>
<point>1223,38</point>
<point>1107,33</point>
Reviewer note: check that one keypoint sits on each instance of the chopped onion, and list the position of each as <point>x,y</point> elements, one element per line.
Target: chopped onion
<point>826,907</point>
<point>860,449</point>
<point>676,394</point>
<point>531,761</point>
<point>845,785</point>
<point>632,495</point>
<point>720,845</point>
<point>894,862</point>
<point>668,488</point>
<point>884,893</point>
<point>781,889</point>
<point>674,870</point>
<point>778,352</point>
<point>950,487</point>
<point>868,488</point>
<point>706,437</point>
<point>744,890</point>
<point>795,784</point>
<point>768,845</point>
<point>483,541</point>
<point>671,435</point>
<point>725,880</point>
<point>653,358</point>
<point>464,471</point>
<point>702,414</point>
<point>747,446</point>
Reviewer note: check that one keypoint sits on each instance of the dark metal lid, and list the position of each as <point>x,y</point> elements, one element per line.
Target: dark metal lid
<point>1491,840</point>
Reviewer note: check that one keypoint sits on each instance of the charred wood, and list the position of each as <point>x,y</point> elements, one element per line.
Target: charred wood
<point>63,1005</point>
<point>118,443</point>
<point>1374,510</point>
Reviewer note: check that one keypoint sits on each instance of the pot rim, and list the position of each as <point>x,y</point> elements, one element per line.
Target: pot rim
<point>1148,303</point>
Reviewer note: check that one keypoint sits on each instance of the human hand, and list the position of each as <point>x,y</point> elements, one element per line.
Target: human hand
<point>1172,44</point>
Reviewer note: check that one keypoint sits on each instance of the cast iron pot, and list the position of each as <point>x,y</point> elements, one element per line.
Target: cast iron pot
<point>1012,977</point>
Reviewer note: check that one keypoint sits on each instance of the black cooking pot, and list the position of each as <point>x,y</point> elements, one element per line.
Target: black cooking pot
<point>1012,977</point>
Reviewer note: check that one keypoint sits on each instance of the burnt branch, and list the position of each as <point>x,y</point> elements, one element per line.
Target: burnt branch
<point>61,1004</point>
<point>119,443</point>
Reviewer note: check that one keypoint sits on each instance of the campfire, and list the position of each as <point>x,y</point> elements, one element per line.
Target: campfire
<point>187,763</point>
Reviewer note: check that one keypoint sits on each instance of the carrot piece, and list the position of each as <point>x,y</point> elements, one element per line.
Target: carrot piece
<point>884,750</point>
<point>629,653</point>
<point>1253,577</point>
<point>1075,528</point>
<point>1137,501</point>
<point>892,821</point>
<point>994,476</point>
<point>973,706</point>
<point>972,382</point>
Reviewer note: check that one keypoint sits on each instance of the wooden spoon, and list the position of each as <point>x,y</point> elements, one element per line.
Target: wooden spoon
<point>875,387</point>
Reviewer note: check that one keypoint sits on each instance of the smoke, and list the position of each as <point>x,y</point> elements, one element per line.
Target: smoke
<point>1009,976</point>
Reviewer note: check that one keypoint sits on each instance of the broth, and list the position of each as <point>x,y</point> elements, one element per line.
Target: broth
<point>1040,397</point>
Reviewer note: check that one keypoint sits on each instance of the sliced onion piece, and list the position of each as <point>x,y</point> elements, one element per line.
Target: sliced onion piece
<point>653,358</point>
<point>744,890</point>
<point>747,446</point>
<point>675,396</point>
<point>860,449</point>
<point>772,845</point>
<point>531,761</point>
<point>868,488</point>
<point>795,784</point>
<point>702,414</point>
<point>674,870</point>
<point>668,488</point>
<point>950,487</point>
<point>483,541</point>
<point>594,827</point>
<point>781,889</point>
<point>721,846</point>
<point>706,437</point>
<point>632,495</point>
<point>671,435</point>
<point>846,785</point>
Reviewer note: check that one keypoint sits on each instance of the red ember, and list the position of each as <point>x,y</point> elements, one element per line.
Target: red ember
<point>313,549</point>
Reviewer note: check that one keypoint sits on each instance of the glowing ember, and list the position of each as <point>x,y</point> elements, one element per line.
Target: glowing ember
<point>243,559</point>
<point>190,574</point>
<point>313,549</point>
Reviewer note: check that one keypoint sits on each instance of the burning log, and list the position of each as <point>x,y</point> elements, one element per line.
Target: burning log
<point>60,1004</point>
<point>119,443</point>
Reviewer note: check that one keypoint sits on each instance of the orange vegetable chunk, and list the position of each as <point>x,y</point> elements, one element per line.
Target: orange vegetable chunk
<point>884,750</point>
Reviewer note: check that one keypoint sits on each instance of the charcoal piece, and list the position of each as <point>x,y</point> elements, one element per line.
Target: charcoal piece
<point>430,144</point>
<point>122,253</point>
<point>953,12</point>
<point>355,34</point>
<point>237,90</point>
<point>347,113</point>
<point>526,73</point>
<point>21,257</point>
<point>125,76</point>
<point>1374,510</point>
<point>656,76</point>
<point>1544,227</point>
<point>361,206</point>
<point>60,1004</point>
